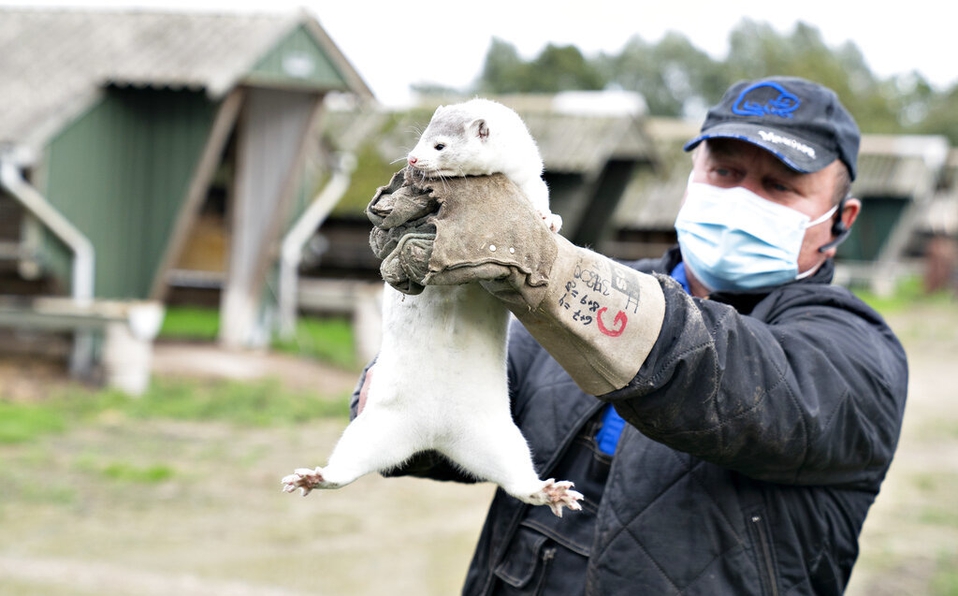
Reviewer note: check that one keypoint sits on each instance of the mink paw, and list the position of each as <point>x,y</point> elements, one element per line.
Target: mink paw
<point>558,495</point>
<point>304,479</point>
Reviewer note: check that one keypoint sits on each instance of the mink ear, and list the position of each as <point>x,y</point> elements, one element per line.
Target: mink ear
<point>479,128</point>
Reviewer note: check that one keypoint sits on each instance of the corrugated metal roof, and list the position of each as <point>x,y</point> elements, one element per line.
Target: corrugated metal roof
<point>54,62</point>
<point>889,175</point>
<point>900,165</point>
<point>584,143</point>
<point>569,141</point>
<point>578,132</point>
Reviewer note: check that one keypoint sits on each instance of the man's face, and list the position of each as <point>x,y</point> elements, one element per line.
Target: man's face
<point>729,163</point>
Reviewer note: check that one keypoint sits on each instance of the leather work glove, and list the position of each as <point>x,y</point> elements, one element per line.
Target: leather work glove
<point>599,319</point>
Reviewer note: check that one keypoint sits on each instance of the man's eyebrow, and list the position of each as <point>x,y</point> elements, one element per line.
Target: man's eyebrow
<point>726,150</point>
<point>719,147</point>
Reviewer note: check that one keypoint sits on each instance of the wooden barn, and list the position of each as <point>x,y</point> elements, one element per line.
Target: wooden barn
<point>147,153</point>
<point>159,150</point>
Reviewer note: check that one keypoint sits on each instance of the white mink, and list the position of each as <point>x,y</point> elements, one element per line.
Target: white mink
<point>481,137</point>
<point>440,380</point>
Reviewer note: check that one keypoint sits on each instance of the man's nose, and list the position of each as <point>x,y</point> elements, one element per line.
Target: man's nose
<point>753,184</point>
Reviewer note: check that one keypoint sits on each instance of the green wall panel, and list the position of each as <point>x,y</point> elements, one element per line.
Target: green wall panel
<point>871,230</point>
<point>298,61</point>
<point>121,172</point>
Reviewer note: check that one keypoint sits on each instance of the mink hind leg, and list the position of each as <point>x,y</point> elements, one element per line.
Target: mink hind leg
<point>494,449</point>
<point>375,441</point>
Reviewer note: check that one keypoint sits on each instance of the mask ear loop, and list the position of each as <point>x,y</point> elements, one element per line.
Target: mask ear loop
<point>839,229</point>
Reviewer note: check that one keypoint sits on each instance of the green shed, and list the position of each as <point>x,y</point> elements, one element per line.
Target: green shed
<point>149,150</point>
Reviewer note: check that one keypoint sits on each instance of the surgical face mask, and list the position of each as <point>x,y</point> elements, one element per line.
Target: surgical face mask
<point>734,240</point>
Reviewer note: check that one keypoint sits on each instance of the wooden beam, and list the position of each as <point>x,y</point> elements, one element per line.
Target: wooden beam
<point>268,258</point>
<point>275,130</point>
<point>223,125</point>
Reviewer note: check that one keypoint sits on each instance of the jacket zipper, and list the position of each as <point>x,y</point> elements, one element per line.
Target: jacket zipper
<point>548,555</point>
<point>766,553</point>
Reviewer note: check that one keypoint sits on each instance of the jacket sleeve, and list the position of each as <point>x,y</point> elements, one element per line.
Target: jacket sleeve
<point>810,389</point>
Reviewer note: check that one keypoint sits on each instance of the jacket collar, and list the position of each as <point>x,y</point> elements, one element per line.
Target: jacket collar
<point>744,302</point>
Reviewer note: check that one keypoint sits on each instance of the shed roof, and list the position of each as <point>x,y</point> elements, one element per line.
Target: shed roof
<point>53,63</point>
<point>900,165</point>
<point>579,131</point>
<point>572,137</point>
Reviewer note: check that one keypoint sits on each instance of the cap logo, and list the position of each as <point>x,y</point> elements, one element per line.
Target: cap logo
<point>771,137</point>
<point>766,99</point>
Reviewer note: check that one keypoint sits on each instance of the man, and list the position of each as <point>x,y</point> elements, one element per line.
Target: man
<point>747,410</point>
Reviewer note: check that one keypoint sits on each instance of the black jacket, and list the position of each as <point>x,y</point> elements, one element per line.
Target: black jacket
<point>760,429</point>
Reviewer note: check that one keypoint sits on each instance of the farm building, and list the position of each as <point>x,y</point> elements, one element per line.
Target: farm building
<point>143,153</point>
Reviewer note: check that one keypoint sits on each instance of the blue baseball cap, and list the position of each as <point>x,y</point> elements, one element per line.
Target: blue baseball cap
<point>802,123</point>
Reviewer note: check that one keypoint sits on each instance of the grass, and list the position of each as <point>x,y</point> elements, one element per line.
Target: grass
<point>250,404</point>
<point>21,422</point>
<point>328,340</point>
<point>123,471</point>
<point>915,315</point>
<point>126,472</point>
<point>909,293</point>
<point>945,581</point>
<point>190,323</point>
<point>257,404</point>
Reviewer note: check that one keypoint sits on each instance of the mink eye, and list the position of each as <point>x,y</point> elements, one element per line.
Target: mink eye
<point>439,146</point>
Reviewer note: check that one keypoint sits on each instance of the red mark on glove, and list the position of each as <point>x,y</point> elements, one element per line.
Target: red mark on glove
<point>618,323</point>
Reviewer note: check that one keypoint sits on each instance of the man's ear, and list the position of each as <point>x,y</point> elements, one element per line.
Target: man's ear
<point>850,208</point>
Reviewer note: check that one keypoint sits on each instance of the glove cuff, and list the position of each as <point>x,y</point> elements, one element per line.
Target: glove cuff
<point>598,318</point>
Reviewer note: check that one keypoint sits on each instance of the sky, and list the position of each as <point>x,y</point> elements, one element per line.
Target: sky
<point>393,45</point>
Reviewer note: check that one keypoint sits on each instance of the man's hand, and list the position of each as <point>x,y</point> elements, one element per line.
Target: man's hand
<point>597,318</point>
<point>458,230</point>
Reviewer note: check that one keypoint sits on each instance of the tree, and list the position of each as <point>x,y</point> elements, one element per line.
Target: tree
<point>563,68</point>
<point>503,71</point>
<point>556,68</point>
<point>757,50</point>
<point>941,115</point>
<point>677,79</point>
<point>672,75</point>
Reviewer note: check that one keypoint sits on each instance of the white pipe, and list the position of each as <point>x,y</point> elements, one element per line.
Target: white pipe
<point>301,232</point>
<point>33,201</point>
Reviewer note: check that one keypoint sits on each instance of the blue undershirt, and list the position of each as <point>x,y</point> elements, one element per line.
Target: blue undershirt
<point>612,424</point>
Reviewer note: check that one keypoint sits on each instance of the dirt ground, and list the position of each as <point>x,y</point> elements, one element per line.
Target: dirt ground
<point>221,526</point>
<point>909,544</point>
